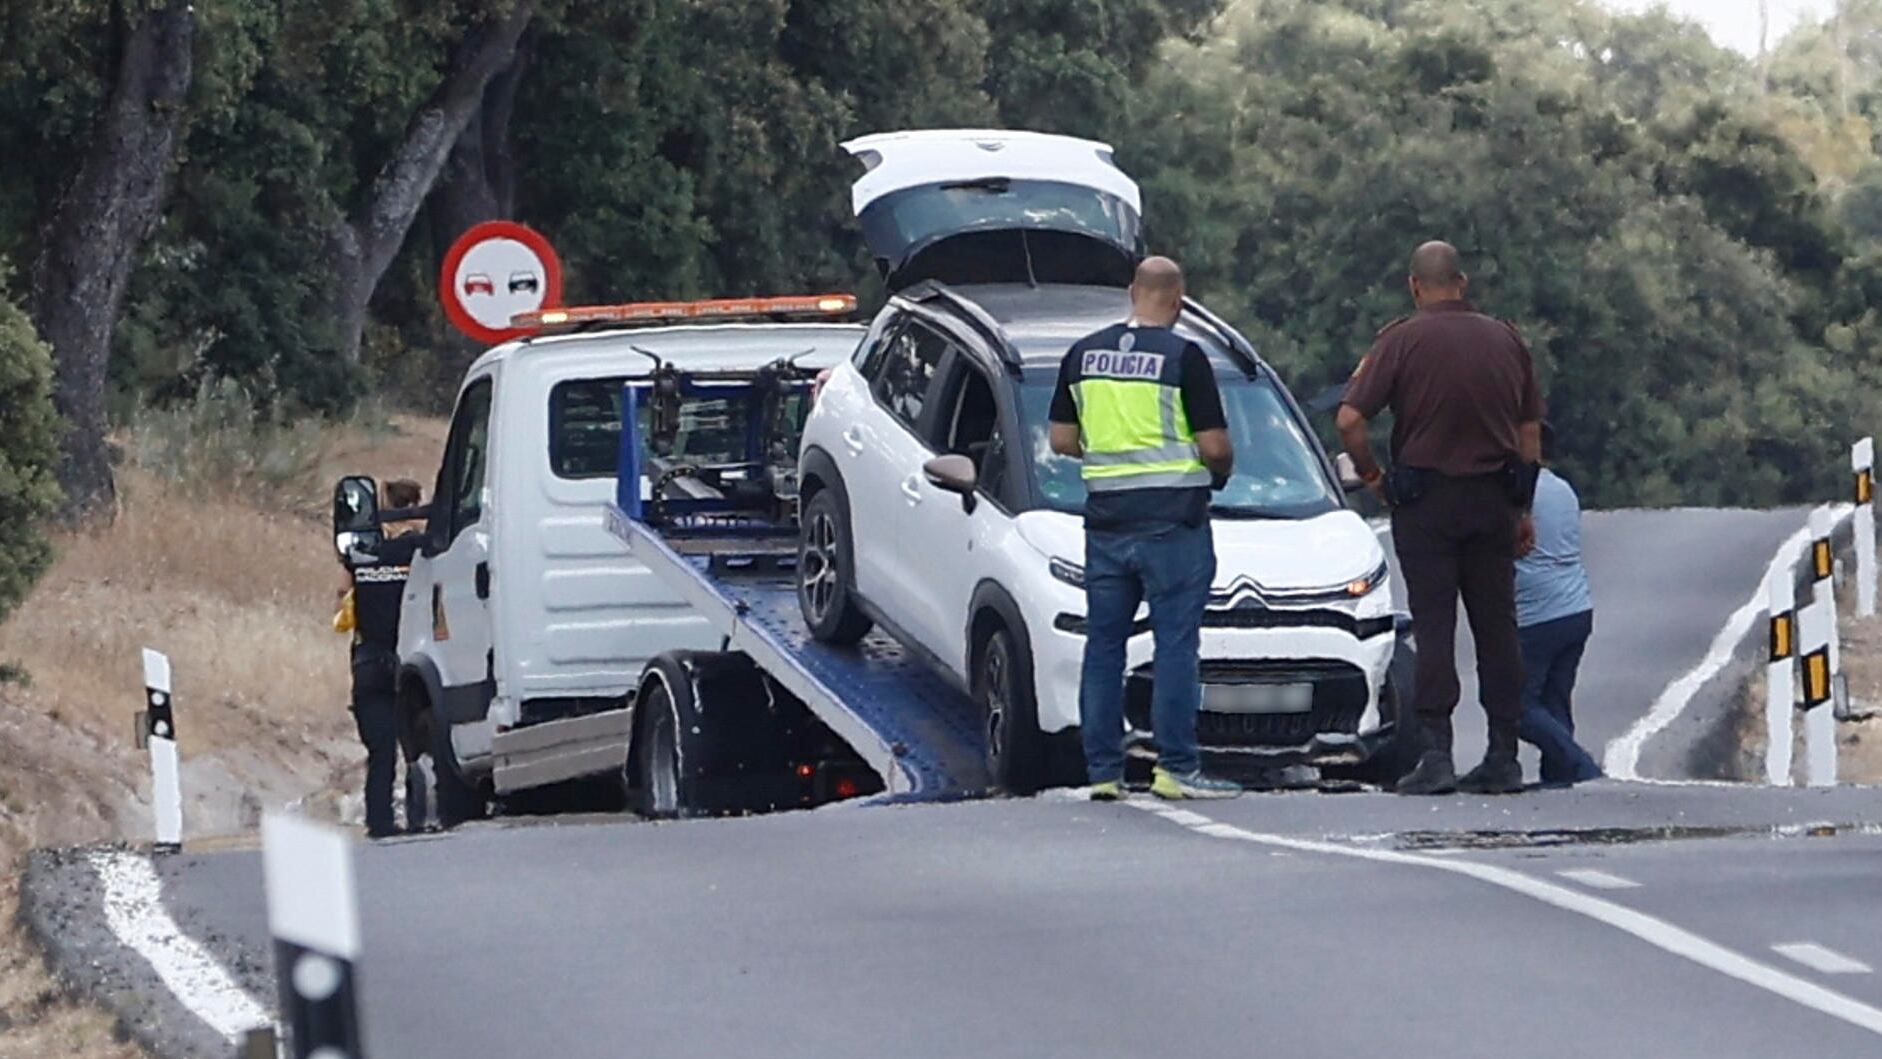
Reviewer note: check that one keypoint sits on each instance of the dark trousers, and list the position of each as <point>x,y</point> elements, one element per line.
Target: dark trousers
<point>1551,657</point>
<point>373,713</point>
<point>1459,539</point>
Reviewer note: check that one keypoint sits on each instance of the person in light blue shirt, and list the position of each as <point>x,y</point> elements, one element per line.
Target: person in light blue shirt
<point>1554,618</point>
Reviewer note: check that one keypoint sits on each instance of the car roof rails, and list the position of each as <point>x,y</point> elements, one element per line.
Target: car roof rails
<point>982,321</point>
<point>1239,349</point>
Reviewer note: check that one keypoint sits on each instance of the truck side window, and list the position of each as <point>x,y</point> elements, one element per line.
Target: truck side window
<point>465,461</point>
<point>907,370</point>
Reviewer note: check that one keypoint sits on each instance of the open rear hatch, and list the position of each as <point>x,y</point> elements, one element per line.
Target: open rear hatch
<point>995,206</point>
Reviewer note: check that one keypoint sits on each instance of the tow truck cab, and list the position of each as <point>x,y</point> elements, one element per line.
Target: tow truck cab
<point>525,629</point>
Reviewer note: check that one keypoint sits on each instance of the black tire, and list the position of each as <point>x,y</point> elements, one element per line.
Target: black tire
<point>433,782</point>
<point>1398,754</point>
<point>1019,755</point>
<point>665,715</point>
<point>826,593</point>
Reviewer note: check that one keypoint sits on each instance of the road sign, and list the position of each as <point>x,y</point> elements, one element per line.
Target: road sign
<point>494,271</point>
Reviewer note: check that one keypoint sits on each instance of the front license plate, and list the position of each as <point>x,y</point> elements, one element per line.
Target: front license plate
<point>1257,698</point>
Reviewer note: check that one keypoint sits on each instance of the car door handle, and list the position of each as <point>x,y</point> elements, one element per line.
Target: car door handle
<point>911,488</point>
<point>854,439</point>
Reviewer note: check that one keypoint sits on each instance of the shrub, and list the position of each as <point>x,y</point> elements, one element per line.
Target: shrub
<point>220,442</point>
<point>29,451</point>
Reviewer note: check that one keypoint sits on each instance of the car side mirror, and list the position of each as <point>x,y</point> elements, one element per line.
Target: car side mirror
<point>1349,474</point>
<point>355,515</point>
<point>952,473</point>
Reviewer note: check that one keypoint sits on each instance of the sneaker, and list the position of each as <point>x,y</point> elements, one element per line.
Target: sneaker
<point>1497,775</point>
<point>1434,775</point>
<point>1108,791</point>
<point>1169,785</point>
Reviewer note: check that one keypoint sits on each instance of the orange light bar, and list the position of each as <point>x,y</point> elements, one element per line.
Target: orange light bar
<point>711,309</point>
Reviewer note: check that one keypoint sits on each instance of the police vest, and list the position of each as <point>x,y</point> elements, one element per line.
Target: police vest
<point>1132,423</point>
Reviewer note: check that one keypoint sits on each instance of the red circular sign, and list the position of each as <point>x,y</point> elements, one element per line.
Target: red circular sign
<point>494,271</point>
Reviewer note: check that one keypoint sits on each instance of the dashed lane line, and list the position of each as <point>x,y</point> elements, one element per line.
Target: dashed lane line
<point>1818,958</point>
<point>1599,880</point>
<point>1656,932</point>
<point>133,907</point>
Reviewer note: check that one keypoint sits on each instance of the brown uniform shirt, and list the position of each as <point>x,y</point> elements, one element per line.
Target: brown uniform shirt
<point>1458,383</point>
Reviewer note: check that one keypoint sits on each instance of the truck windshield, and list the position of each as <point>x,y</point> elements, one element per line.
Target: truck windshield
<point>585,428</point>
<point>1277,469</point>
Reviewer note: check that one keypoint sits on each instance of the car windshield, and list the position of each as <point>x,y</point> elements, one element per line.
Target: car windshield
<point>1277,469</point>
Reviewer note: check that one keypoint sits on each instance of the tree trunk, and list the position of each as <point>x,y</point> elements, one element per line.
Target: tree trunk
<point>92,235</point>
<point>478,184</point>
<point>363,247</point>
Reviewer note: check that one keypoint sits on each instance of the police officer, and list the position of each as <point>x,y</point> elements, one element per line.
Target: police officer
<point>1137,404</point>
<point>377,577</point>
<point>1466,441</point>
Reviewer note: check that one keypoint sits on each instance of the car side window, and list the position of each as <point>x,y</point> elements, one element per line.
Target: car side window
<point>458,502</point>
<point>875,346</point>
<point>907,370</point>
<point>973,428</point>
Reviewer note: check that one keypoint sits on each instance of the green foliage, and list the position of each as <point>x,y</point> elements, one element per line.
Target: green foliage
<point>29,449</point>
<point>222,440</point>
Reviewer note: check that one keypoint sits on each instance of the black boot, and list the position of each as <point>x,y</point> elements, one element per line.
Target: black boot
<point>1434,775</point>
<point>1499,774</point>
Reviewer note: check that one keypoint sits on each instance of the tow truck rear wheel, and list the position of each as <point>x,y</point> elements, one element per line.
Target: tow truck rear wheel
<point>1018,753</point>
<point>825,569</point>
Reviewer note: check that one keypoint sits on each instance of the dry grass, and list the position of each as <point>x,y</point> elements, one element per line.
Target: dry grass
<point>235,583</point>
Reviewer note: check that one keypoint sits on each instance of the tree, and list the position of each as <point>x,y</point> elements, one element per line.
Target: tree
<point>92,233</point>
<point>29,453</point>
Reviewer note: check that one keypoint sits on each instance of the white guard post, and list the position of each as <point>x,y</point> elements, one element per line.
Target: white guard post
<point>166,786</point>
<point>313,915</point>
<point>1780,679</point>
<point>1862,464</point>
<point>1818,657</point>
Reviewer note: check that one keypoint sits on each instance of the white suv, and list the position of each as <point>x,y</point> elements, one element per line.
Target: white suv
<point>934,507</point>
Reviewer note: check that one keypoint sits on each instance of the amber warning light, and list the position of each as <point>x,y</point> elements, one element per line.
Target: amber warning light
<point>713,309</point>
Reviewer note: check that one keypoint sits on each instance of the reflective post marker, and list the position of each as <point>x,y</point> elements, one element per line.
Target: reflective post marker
<point>1818,656</point>
<point>1862,464</point>
<point>313,915</point>
<point>159,729</point>
<point>1780,684</point>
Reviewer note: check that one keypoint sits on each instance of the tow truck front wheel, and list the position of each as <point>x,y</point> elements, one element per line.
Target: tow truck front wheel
<point>825,591</point>
<point>656,782</point>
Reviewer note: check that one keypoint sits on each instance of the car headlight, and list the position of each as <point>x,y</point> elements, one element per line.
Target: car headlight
<point>1067,571</point>
<point>1365,586</point>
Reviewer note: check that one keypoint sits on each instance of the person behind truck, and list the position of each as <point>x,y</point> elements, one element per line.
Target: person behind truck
<point>376,582</point>
<point>1554,618</point>
<point>1137,404</point>
<point>1466,441</point>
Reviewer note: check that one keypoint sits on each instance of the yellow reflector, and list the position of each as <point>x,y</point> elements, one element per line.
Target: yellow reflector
<point>1820,558</point>
<point>1865,486</point>
<point>1817,677</point>
<point>1782,643</point>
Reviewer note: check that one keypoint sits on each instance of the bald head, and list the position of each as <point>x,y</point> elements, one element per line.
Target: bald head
<point>1157,291</point>
<point>1437,274</point>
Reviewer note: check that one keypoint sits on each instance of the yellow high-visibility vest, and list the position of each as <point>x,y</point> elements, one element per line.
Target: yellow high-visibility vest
<point>1132,423</point>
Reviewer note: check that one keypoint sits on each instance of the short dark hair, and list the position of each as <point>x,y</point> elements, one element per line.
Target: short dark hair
<point>402,492</point>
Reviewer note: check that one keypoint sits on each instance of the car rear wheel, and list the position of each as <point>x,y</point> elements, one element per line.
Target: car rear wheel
<point>825,572</point>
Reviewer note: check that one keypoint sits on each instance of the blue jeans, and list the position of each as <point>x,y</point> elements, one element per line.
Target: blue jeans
<point>1171,569</point>
<point>1551,656</point>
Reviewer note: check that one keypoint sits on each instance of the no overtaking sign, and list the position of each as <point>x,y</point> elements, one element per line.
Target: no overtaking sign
<point>494,271</point>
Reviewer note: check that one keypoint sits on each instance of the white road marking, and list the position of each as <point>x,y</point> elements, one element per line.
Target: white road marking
<point>1656,932</point>
<point>1622,758</point>
<point>1818,958</point>
<point>1599,880</point>
<point>134,911</point>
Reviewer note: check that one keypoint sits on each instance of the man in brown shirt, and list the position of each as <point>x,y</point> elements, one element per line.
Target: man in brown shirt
<point>1466,438</point>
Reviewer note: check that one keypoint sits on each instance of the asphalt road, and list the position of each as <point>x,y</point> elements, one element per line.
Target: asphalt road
<point>1054,927</point>
<point>1663,583</point>
<point>1280,925</point>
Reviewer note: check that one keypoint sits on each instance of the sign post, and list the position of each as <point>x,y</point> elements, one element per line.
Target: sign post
<point>494,271</point>
<point>1780,683</point>
<point>1819,656</point>
<point>313,915</point>
<point>1862,464</point>
<point>158,728</point>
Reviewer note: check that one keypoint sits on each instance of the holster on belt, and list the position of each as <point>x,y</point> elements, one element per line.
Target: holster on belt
<point>1519,481</point>
<point>1405,486</point>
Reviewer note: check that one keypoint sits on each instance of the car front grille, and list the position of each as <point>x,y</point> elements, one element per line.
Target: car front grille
<point>1340,693</point>
<point>1247,617</point>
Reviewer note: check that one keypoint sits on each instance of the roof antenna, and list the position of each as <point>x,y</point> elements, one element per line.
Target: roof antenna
<point>1025,244</point>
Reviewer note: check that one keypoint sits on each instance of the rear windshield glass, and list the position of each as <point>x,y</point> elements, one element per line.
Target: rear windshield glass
<point>585,428</point>
<point>908,218</point>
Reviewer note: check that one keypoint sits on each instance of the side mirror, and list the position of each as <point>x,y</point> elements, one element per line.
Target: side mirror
<point>355,515</point>
<point>1349,474</point>
<point>953,473</point>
